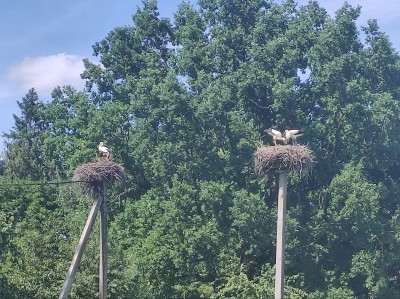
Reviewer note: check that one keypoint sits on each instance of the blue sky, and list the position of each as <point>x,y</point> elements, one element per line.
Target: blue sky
<point>44,41</point>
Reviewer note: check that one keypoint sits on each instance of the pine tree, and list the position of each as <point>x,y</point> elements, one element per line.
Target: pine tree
<point>23,154</point>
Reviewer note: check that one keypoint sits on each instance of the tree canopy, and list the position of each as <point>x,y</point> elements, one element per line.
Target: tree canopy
<point>184,103</point>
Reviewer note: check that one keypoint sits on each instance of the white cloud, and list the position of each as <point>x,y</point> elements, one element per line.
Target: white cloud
<point>44,73</point>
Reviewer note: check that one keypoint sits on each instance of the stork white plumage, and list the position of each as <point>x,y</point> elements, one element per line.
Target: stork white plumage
<point>276,135</point>
<point>291,135</point>
<point>104,150</point>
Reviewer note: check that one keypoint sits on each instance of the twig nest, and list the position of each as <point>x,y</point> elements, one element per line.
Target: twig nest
<point>283,158</point>
<point>94,175</point>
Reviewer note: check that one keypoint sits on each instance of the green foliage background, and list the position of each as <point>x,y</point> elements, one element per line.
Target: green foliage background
<point>183,104</point>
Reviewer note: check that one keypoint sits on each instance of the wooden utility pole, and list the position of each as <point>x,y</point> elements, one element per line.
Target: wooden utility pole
<point>280,237</point>
<point>95,178</point>
<point>282,159</point>
<point>103,246</point>
<point>99,204</point>
<point>79,249</point>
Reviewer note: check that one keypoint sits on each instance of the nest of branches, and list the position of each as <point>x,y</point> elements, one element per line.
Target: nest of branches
<point>283,158</point>
<point>93,176</point>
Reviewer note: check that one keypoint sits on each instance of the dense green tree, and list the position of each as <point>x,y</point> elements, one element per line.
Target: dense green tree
<point>67,118</point>
<point>2,166</point>
<point>41,225</point>
<point>24,157</point>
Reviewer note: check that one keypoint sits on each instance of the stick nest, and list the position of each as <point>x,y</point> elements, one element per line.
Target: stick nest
<point>93,175</point>
<point>283,158</point>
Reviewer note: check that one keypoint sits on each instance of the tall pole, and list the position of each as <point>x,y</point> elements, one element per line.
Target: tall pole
<point>280,237</point>
<point>79,249</point>
<point>103,246</point>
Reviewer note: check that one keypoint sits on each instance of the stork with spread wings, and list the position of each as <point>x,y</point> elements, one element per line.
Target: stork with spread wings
<point>276,136</point>
<point>291,135</point>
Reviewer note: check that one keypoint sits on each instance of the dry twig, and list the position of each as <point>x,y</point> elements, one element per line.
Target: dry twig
<point>94,175</point>
<point>283,158</point>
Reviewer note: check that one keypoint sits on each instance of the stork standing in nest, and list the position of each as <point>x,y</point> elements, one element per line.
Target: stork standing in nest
<point>104,151</point>
<point>291,135</point>
<point>276,136</point>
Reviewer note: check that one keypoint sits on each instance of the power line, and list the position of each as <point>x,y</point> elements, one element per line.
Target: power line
<point>42,183</point>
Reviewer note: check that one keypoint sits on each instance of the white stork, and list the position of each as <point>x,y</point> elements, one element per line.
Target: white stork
<point>104,150</point>
<point>276,135</point>
<point>292,135</point>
